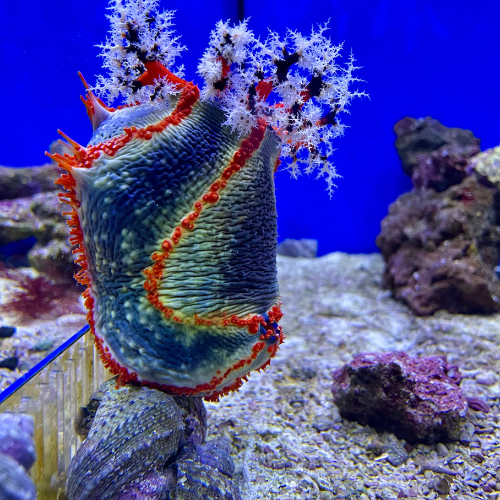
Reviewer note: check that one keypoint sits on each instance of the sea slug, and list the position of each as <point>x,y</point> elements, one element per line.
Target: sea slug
<point>173,212</point>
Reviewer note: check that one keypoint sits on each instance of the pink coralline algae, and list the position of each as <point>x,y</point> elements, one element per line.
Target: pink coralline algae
<point>418,399</point>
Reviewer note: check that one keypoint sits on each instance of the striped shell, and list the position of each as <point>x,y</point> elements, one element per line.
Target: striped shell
<point>136,435</point>
<point>174,221</point>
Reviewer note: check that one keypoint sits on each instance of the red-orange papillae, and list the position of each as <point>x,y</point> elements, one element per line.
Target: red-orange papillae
<point>83,158</point>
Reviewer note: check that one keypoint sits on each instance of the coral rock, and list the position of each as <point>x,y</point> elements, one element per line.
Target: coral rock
<point>39,218</point>
<point>432,154</point>
<point>441,244</point>
<point>17,455</point>
<point>15,484</point>
<point>417,399</point>
<point>441,249</point>
<point>23,182</point>
<point>53,259</point>
<point>487,164</point>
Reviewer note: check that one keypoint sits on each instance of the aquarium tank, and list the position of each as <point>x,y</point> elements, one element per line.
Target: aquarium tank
<point>249,251</point>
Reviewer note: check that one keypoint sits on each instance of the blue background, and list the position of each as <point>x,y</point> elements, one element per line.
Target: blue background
<point>419,58</point>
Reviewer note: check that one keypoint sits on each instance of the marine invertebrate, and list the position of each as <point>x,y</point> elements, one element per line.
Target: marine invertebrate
<point>135,436</point>
<point>173,210</point>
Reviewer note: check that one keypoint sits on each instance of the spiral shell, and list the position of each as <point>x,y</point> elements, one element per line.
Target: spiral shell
<point>135,435</point>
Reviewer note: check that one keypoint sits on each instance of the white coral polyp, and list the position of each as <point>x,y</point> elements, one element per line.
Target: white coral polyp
<point>155,41</point>
<point>291,111</point>
<point>308,86</point>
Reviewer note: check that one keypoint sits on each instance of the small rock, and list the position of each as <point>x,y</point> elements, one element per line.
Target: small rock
<point>16,438</point>
<point>7,331</point>
<point>326,495</point>
<point>10,363</point>
<point>417,399</point>
<point>486,378</point>
<point>298,248</point>
<point>477,404</point>
<point>441,485</point>
<point>199,482</point>
<point>43,345</point>
<point>396,453</point>
<point>388,494</point>
<point>477,456</point>
<point>491,484</point>
<point>15,484</point>
<point>412,493</point>
<point>303,373</point>
<point>323,423</point>
<point>442,450</point>
<point>466,432</point>
<point>216,454</point>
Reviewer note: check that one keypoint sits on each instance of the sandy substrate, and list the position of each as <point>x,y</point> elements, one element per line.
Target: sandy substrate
<point>288,439</point>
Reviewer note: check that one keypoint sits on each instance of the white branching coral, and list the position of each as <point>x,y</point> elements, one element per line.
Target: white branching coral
<point>140,36</point>
<point>294,84</point>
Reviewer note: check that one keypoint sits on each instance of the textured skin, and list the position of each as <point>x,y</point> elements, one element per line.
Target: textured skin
<point>218,277</point>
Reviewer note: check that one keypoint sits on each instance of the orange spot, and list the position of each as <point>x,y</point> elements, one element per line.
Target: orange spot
<point>264,88</point>
<point>156,71</point>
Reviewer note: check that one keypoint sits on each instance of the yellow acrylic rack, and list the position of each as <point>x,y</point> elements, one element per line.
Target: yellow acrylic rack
<point>52,392</point>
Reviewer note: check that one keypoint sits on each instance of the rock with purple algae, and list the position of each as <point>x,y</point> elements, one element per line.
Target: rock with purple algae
<point>16,438</point>
<point>441,249</point>
<point>15,484</point>
<point>433,155</point>
<point>441,241</point>
<point>417,399</point>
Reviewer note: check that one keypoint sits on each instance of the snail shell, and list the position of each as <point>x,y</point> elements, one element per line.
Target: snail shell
<point>135,434</point>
